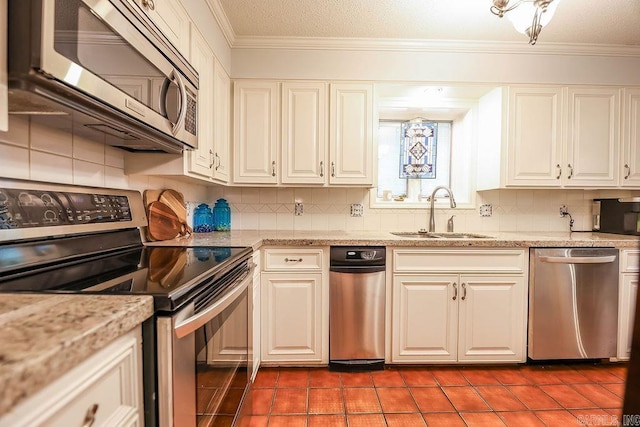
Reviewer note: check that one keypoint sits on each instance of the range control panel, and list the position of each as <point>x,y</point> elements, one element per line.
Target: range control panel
<point>21,208</point>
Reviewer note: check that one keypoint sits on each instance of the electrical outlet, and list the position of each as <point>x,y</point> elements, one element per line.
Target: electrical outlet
<point>298,209</point>
<point>486,210</point>
<point>563,210</point>
<point>357,209</point>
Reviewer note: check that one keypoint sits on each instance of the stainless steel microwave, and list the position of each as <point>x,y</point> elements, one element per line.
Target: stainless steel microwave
<point>101,66</point>
<point>618,216</point>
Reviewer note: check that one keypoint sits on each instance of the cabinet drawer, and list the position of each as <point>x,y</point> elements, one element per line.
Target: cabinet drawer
<point>459,260</point>
<point>629,261</point>
<point>292,259</point>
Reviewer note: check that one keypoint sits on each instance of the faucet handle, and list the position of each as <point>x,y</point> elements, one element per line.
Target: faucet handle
<point>450,224</point>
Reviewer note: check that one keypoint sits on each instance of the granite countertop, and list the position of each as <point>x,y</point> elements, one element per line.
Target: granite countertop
<point>44,336</point>
<point>256,239</point>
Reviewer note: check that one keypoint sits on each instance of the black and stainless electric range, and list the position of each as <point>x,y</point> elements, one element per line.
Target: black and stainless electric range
<point>70,239</point>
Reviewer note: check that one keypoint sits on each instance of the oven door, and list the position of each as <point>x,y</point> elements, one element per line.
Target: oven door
<point>202,360</point>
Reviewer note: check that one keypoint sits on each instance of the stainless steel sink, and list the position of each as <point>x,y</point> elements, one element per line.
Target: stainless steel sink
<point>448,235</point>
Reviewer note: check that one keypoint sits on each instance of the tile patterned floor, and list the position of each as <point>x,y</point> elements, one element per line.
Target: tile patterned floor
<point>532,395</point>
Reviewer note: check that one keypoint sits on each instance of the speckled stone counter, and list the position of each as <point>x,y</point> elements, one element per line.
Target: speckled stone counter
<point>256,239</point>
<point>44,336</point>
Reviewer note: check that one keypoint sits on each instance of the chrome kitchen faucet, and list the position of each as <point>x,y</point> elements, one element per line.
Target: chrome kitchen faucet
<point>452,201</point>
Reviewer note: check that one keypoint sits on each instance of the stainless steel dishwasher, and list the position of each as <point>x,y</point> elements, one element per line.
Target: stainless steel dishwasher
<point>356,308</point>
<point>573,303</point>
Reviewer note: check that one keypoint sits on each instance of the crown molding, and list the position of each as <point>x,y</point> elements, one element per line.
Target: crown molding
<point>448,46</point>
<point>223,22</point>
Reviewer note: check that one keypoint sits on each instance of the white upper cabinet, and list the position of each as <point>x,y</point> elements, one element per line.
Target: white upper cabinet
<point>536,136</point>
<point>631,139</point>
<point>351,133</point>
<point>171,18</point>
<point>593,137</point>
<point>255,136</point>
<point>221,124</point>
<point>304,132</point>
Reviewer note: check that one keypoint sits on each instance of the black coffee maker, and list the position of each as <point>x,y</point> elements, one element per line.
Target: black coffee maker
<point>619,216</point>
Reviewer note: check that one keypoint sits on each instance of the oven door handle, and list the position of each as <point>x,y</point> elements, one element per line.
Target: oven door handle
<point>579,259</point>
<point>193,323</point>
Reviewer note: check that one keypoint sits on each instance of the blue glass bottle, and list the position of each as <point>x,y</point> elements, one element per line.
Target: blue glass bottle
<point>221,216</point>
<point>202,219</point>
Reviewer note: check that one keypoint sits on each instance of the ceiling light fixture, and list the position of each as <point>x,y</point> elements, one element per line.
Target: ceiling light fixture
<point>529,17</point>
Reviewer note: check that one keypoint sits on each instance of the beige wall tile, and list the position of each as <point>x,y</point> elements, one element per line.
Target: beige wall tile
<point>15,162</point>
<point>51,168</point>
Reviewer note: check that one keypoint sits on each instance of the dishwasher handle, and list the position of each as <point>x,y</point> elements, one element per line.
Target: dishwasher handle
<point>578,259</point>
<point>357,269</point>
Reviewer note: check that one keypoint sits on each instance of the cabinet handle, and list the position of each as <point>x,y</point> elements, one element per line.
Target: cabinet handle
<point>149,4</point>
<point>273,168</point>
<point>210,159</point>
<point>293,260</point>
<point>321,168</point>
<point>464,291</point>
<point>455,291</point>
<point>559,171</point>
<point>218,162</point>
<point>570,171</point>
<point>333,169</point>
<point>628,169</point>
<point>90,416</point>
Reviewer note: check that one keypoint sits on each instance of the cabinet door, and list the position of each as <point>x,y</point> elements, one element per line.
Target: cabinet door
<point>351,133</point>
<point>492,318</point>
<point>221,123</point>
<point>425,318</point>
<point>255,132</point>
<point>631,139</point>
<point>304,133</point>
<point>172,19</point>
<point>255,319</point>
<point>200,161</point>
<point>292,317</point>
<point>626,312</point>
<point>592,144</point>
<point>534,146</point>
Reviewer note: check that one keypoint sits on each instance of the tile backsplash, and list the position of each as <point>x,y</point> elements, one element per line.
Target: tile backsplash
<point>35,149</point>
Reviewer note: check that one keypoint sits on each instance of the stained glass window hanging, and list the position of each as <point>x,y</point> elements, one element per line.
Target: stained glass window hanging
<point>418,149</point>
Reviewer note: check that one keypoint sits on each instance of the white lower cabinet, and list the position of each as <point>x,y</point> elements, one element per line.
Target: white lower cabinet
<point>294,307</point>
<point>104,390</point>
<point>255,319</point>
<point>629,268</point>
<point>473,310</point>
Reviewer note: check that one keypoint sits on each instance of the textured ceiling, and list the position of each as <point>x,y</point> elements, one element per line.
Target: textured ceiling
<point>576,21</point>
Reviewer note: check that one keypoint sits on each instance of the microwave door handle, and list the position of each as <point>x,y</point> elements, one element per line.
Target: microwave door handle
<point>174,77</point>
<point>578,259</point>
<point>193,323</point>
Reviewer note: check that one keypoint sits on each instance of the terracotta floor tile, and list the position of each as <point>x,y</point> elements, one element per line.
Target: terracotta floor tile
<point>558,418</point>
<point>520,419</point>
<point>210,420</point>
<point>324,378</point>
<point>533,397</point>
<point>567,397</point>
<point>361,400</point>
<point>418,377</point>
<point>369,420</point>
<point>288,421</point>
<point>449,376</point>
<point>443,420</point>
<point>465,399</point>
<point>432,399</point>
<point>599,375</point>
<point>617,389</point>
<point>500,399</point>
<point>253,421</point>
<point>482,419</point>
<point>540,375</point>
<point>404,420</point>
<point>599,395</point>
<point>289,401</point>
<point>570,376</point>
<point>266,377</point>
<point>259,401</point>
<point>480,376</point>
<point>293,377</point>
<point>387,378</point>
<point>510,376</point>
<point>619,371</point>
<point>325,401</point>
<point>356,379</point>
<point>396,400</point>
<point>327,421</point>
<point>595,418</point>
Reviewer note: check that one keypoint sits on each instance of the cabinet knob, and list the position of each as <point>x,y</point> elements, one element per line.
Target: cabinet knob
<point>321,168</point>
<point>559,171</point>
<point>628,171</point>
<point>455,291</point>
<point>210,159</point>
<point>293,260</point>
<point>90,416</point>
<point>333,169</point>
<point>570,171</point>
<point>273,168</point>
<point>149,4</point>
<point>464,291</point>
<point>218,162</point>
